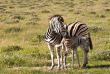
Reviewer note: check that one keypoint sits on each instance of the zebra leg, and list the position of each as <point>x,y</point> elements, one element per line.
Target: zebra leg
<point>65,59</point>
<point>77,57</point>
<point>63,50</point>
<point>58,56</point>
<point>72,58</point>
<point>85,59</point>
<point>85,56</point>
<point>51,48</point>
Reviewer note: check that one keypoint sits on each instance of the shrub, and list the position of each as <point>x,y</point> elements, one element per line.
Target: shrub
<point>101,55</point>
<point>31,23</point>
<point>33,18</point>
<point>57,3</point>
<point>38,38</point>
<point>107,10</point>
<point>17,17</point>
<point>92,12</point>
<point>77,12</point>
<point>13,60</point>
<point>101,16</point>
<point>35,40</point>
<point>12,29</point>
<point>70,4</point>
<point>11,48</point>
<point>45,11</point>
<point>3,6</point>
<point>11,21</point>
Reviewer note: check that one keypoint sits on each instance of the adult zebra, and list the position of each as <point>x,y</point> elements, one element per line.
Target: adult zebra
<point>53,37</point>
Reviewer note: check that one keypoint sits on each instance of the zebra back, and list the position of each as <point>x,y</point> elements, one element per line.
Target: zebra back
<point>79,29</point>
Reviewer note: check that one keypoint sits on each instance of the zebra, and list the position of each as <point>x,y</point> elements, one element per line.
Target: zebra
<point>79,31</point>
<point>56,31</point>
<point>53,37</point>
<point>73,43</point>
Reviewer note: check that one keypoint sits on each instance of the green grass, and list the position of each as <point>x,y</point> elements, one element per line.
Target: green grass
<point>23,24</point>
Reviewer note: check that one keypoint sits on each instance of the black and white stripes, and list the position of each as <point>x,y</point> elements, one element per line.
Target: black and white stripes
<point>73,43</point>
<point>79,29</point>
<point>56,31</point>
<point>54,36</point>
<point>77,35</point>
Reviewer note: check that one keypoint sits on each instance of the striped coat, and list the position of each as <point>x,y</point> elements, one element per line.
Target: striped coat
<point>77,34</point>
<point>79,29</point>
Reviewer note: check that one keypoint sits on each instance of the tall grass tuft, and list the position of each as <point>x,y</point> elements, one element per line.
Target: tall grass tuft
<point>37,39</point>
<point>12,29</point>
<point>101,55</point>
<point>11,48</point>
<point>13,61</point>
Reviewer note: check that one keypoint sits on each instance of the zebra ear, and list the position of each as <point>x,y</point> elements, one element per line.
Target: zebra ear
<point>66,27</point>
<point>60,19</point>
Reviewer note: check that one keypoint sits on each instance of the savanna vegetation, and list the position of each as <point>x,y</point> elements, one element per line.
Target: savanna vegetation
<point>23,24</point>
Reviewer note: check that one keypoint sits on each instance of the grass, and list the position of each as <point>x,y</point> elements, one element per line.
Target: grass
<point>23,24</point>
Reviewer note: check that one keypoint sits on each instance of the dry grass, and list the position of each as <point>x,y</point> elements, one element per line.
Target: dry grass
<point>22,23</point>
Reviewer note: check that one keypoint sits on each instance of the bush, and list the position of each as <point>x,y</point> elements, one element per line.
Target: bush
<point>70,4</point>
<point>92,12</point>
<point>101,16</point>
<point>12,29</point>
<point>77,12</point>
<point>33,18</point>
<point>101,55</point>
<point>11,48</point>
<point>45,11</point>
<point>17,17</point>
<point>13,60</point>
<point>38,38</point>
<point>31,23</point>
<point>11,21</point>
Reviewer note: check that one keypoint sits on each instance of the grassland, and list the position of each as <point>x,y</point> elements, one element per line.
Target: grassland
<point>23,24</point>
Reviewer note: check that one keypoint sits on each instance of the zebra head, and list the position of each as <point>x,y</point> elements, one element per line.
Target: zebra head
<point>64,31</point>
<point>56,23</point>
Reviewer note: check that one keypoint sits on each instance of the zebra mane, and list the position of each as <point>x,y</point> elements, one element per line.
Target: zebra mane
<point>60,18</point>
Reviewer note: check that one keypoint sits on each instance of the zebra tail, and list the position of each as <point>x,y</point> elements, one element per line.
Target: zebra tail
<point>90,41</point>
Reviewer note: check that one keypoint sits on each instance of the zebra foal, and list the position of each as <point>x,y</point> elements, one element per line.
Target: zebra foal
<point>73,43</point>
<point>78,29</point>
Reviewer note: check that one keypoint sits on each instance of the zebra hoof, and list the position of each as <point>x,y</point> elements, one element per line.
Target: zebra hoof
<point>66,68</point>
<point>79,65</point>
<point>84,65</point>
<point>52,67</point>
